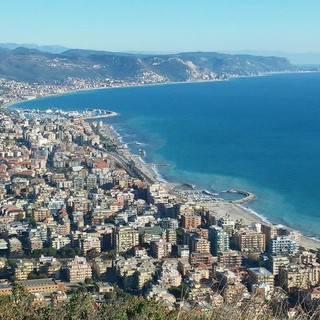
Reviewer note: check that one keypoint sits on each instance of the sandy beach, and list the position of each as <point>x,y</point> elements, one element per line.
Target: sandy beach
<point>237,212</point>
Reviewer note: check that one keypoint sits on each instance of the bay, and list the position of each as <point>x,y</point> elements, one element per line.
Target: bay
<point>260,134</point>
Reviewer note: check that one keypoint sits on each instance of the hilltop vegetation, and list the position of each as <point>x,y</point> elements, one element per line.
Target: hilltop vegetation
<point>122,306</point>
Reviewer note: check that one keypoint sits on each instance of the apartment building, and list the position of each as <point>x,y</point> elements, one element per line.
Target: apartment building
<point>78,269</point>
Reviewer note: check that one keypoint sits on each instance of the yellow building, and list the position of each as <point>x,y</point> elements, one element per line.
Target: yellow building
<point>229,259</point>
<point>299,276</point>
<point>125,238</point>
<point>250,241</point>
<point>90,243</point>
<point>23,268</point>
<point>78,269</point>
<point>200,245</point>
<point>261,276</point>
<point>161,249</point>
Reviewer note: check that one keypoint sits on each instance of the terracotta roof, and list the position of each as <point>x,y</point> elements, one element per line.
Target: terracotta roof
<point>26,172</point>
<point>63,212</point>
<point>26,162</point>
<point>201,265</point>
<point>40,181</point>
<point>100,164</point>
<point>11,208</point>
<point>13,161</point>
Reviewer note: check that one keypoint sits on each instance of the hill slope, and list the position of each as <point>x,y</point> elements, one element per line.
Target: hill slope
<point>33,65</point>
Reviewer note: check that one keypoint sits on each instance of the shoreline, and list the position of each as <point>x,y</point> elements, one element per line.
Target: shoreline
<point>125,155</point>
<point>306,241</point>
<point>235,210</point>
<point>109,115</point>
<point>16,102</point>
<point>248,216</point>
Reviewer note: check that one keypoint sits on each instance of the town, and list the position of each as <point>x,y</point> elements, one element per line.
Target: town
<point>79,212</point>
<point>16,91</point>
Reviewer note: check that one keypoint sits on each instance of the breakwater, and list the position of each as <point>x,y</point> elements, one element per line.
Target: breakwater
<point>248,196</point>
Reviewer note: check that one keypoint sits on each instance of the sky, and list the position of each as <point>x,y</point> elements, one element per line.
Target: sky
<point>164,25</point>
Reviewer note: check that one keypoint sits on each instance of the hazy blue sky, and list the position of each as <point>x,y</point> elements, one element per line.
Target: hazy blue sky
<point>164,25</point>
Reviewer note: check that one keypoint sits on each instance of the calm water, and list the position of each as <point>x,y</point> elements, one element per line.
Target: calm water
<point>261,134</point>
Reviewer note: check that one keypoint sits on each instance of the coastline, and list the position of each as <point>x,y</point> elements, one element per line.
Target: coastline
<point>235,211</point>
<point>195,81</point>
<point>124,155</point>
<point>109,115</point>
<point>13,102</point>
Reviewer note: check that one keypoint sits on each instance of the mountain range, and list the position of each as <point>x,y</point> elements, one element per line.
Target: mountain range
<point>36,65</point>
<point>303,58</point>
<point>49,48</point>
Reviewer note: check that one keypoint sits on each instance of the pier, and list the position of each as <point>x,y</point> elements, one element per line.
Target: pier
<point>248,196</point>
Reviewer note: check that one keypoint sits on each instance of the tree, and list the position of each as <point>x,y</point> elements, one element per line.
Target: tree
<point>112,254</point>
<point>19,217</point>
<point>78,251</point>
<point>17,254</point>
<point>91,254</point>
<point>6,303</point>
<point>181,291</point>
<point>22,302</point>
<point>45,251</point>
<point>134,308</point>
<point>36,275</point>
<point>31,221</point>
<point>11,262</point>
<point>54,313</point>
<point>66,252</point>
<point>80,307</point>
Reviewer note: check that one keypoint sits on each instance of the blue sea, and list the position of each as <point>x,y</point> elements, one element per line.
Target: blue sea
<point>260,134</point>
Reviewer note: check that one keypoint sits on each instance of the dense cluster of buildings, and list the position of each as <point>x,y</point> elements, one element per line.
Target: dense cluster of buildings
<point>71,212</point>
<point>11,90</point>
